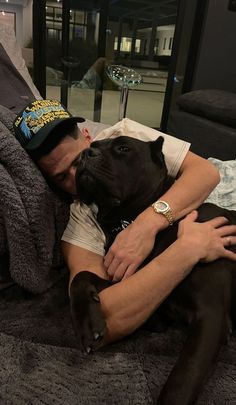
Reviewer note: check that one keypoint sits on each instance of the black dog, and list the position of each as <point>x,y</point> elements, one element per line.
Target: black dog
<point>123,176</point>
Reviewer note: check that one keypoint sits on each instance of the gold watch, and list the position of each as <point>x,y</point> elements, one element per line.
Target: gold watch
<point>162,207</point>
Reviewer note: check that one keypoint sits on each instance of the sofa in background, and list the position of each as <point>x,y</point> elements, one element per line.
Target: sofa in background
<point>206,119</point>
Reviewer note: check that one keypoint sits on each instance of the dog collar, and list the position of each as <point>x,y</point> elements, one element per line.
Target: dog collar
<point>121,225</point>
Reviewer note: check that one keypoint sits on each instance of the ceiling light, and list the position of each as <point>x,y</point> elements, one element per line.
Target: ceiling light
<point>3,12</point>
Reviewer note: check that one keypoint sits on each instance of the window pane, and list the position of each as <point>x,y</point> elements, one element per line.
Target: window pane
<point>57,13</point>
<point>80,17</point>
<point>49,13</point>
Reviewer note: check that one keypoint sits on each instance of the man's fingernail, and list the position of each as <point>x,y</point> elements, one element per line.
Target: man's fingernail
<point>96,335</point>
<point>88,349</point>
<point>96,297</point>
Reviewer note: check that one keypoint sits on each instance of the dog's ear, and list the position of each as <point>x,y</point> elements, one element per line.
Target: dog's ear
<point>158,143</point>
<point>156,150</point>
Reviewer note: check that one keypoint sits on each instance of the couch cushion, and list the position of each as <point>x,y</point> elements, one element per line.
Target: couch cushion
<point>216,105</point>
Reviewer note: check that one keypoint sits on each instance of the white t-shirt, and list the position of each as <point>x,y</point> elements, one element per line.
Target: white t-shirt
<point>82,229</point>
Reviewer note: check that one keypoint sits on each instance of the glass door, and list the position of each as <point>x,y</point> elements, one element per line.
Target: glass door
<point>83,38</point>
<point>54,71</point>
<point>139,35</point>
<point>73,68</point>
<point>79,39</point>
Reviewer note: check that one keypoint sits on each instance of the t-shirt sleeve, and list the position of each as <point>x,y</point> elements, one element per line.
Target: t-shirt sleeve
<point>83,230</point>
<point>174,149</point>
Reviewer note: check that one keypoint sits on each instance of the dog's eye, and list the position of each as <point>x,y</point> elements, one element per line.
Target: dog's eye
<point>123,148</point>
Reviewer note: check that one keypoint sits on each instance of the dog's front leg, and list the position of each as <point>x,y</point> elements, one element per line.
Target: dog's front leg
<point>87,317</point>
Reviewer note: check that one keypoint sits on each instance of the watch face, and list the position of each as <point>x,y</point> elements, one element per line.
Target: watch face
<point>161,206</point>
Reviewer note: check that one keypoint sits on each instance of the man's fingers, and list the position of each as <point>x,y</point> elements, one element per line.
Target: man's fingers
<point>130,270</point>
<point>113,267</point>
<point>191,217</point>
<point>227,230</point>
<point>215,222</point>
<point>229,240</point>
<point>230,255</point>
<point>218,221</point>
<point>120,271</point>
<point>108,258</point>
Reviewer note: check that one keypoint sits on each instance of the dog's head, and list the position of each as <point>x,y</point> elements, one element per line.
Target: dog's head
<point>116,172</point>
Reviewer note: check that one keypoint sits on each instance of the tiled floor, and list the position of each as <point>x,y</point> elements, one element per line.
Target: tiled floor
<point>143,106</point>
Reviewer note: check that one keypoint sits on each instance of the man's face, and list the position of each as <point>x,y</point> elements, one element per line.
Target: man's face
<point>60,164</point>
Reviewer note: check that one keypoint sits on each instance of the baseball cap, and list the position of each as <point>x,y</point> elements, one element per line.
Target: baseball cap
<point>33,124</point>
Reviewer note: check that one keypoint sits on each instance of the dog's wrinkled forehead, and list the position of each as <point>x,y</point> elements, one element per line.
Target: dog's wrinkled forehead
<point>126,148</point>
<point>116,141</point>
<point>129,142</point>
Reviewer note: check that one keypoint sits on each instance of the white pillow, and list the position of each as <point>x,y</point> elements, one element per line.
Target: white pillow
<point>8,41</point>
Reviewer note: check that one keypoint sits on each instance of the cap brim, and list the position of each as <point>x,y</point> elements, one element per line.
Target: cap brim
<point>43,133</point>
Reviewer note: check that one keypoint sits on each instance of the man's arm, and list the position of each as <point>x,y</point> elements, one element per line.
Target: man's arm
<point>127,304</point>
<point>197,177</point>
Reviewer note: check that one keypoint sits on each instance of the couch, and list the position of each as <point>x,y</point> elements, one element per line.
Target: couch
<point>206,119</point>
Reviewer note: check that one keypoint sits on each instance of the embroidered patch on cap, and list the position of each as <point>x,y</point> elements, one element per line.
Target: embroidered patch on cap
<point>36,121</point>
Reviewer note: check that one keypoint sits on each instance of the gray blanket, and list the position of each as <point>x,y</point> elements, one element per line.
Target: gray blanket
<point>41,364</point>
<point>32,217</point>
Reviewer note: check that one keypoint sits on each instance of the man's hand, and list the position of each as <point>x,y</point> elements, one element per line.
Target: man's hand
<point>132,246</point>
<point>208,240</point>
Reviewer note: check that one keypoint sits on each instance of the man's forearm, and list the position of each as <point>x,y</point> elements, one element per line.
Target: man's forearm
<point>188,192</point>
<point>127,304</point>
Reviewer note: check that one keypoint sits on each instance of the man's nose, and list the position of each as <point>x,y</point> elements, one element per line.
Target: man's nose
<point>72,171</point>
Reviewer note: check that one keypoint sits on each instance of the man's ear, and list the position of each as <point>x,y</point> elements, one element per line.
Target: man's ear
<point>86,135</point>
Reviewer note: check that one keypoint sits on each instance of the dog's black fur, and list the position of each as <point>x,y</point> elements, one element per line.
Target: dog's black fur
<point>123,176</point>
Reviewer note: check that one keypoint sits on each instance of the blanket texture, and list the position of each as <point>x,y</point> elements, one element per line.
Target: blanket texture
<point>32,217</point>
<point>41,364</point>
<point>224,194</point>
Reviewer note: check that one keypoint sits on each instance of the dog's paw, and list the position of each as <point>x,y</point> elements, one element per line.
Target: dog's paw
<point>87,317</point>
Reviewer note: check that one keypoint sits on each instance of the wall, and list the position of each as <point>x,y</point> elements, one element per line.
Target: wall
<point>216,64</point>
<point>27,23</point>
<point>23,13</point>
<point>18,10</point>
<point>164,34</point>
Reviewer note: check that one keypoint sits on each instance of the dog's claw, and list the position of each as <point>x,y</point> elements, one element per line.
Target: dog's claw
<point>96,335</point>
<point>88,349</point>
<point>96,297</point>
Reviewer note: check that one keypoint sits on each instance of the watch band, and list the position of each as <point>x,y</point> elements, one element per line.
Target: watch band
<point>162,207</point>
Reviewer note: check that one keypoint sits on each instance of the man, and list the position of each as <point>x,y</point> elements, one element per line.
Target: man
<point>51,136</point>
